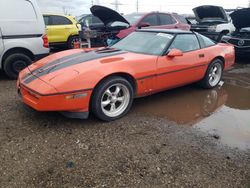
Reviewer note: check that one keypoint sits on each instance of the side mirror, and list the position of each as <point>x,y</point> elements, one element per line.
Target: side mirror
<point>174,53</point>
<point>143,24</point>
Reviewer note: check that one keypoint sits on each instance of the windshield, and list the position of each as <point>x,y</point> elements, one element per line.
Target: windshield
<point>151,43</point>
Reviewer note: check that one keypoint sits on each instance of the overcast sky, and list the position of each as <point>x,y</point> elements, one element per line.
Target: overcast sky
<point>78,7</point>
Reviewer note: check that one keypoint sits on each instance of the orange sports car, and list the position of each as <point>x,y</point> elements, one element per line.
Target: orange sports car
<point>105,81</point>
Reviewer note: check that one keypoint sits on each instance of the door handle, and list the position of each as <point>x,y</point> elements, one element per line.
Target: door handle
<point>201,55</point>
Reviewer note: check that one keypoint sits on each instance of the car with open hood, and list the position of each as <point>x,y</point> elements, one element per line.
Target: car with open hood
<point>105,81</point>
<point>119,26</point>
<point>213,22</point>
<point>240,38</point>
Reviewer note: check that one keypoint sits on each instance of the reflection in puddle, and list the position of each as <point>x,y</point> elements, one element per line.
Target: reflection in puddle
<point>224,111</point>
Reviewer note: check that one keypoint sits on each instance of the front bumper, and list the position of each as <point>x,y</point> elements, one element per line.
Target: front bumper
<point>240,48</point>
<point>73,104</point>
<point>242,51</point>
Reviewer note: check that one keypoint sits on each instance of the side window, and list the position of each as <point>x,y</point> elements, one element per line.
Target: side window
<point>204,41</point>
<point>60,20</point>
<point>185,42</point>
<point>151,19</point>
<point>96,20</point>
<point>166,19</point>
<point>87,20</point>
<point>46,20</point>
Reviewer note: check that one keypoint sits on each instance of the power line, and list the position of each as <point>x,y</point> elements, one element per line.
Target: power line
<point>175,5</point>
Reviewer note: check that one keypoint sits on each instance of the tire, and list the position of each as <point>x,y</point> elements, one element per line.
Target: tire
<point>14,63</point>
<point>103,100</point>
<point>71,40</point>
<point>212,77</point>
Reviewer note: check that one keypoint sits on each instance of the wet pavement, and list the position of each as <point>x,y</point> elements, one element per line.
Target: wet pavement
<point>223,111</point>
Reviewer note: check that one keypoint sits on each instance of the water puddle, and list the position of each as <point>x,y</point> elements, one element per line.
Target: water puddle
<point>223,111</point>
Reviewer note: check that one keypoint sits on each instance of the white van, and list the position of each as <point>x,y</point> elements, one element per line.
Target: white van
<point>22,35</point>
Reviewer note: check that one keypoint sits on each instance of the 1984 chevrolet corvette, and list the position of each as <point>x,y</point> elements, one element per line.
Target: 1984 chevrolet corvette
<point>105,81</point>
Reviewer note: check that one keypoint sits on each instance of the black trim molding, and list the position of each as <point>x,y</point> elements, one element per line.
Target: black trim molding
<point>21,36</point>
<point>161,74</point>
<point>59,93</point>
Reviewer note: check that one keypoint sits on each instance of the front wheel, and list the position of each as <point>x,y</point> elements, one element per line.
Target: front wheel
<point>213,75</point>
<point>112,99</point>
<point>71,41</point>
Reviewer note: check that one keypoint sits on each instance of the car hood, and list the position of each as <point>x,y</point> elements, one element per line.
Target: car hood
<point>240,18</point>
<point>65,68</point>
<point>48,67</point>
<point>107,15</point>
<point>210,12</point>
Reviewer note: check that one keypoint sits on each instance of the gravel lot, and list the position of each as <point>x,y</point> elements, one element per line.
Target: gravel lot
<point>48,150</point>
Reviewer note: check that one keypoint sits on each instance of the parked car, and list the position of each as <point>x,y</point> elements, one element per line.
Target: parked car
<point>240,38</point>
<point>89,21</point>
<point>61,30</point>
<point>213,22</point>
<point>120,26</point>
<point>92,22</point>
<point>22,35</point>
<point>105,81</point>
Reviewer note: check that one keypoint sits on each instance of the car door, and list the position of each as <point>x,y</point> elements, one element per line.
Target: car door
<point>180,70</point>
<point>59,29</point>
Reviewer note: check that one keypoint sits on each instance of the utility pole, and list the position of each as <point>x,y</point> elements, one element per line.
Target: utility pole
<point>116,3</point>
<point>137,5</point>
<point>65,10</point>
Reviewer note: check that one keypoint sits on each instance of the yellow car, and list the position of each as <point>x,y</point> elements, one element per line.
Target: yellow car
<point>61,29</point>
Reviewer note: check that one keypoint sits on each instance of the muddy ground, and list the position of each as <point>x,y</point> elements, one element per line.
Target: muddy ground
<point>187,137</point>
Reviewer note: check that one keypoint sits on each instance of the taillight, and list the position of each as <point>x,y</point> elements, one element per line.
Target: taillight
<point>45,41</point>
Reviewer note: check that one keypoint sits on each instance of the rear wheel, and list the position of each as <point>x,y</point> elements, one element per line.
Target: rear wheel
<point>213,74</point>
<point>112,99</point>
<point>14,63</point>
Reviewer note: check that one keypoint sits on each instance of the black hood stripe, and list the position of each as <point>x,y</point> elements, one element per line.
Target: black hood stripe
<point>92,55</point>
<point>57,61</point>
<point>65,58</point>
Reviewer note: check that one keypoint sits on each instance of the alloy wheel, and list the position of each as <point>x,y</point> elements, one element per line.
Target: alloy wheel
<point>115,100</point>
